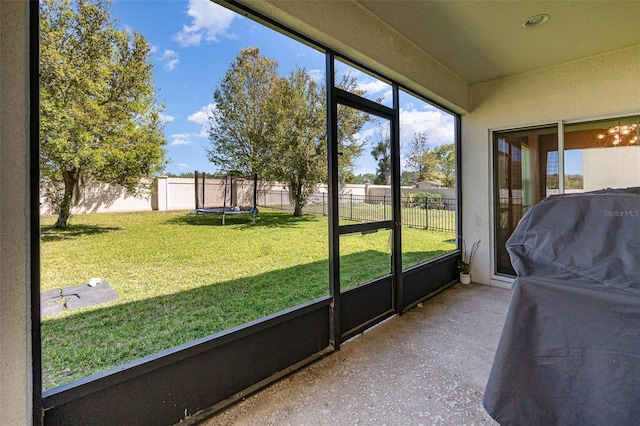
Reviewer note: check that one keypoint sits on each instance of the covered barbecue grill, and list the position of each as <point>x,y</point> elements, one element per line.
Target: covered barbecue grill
<point>569,353</point>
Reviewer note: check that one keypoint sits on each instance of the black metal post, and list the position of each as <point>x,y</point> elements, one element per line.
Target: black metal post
<point>426,212</point>
<point>34,209</point>
<point>224,199</point>
<point>195,186</point>
<point>332,180</point>
<point>255,191</point>
<point>204,188</point>
<point>396,194</point>
<point>384,206</point>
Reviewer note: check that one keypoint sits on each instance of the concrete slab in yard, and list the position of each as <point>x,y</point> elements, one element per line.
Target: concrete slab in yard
<point>76,297</point>
<point>50,302</point>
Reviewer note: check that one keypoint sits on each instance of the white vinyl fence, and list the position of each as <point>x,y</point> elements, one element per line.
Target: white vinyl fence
<point>164,193</point>
<point>169,193</point>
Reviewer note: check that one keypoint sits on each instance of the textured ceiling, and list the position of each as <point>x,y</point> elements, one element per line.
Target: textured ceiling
<point>485,40</point>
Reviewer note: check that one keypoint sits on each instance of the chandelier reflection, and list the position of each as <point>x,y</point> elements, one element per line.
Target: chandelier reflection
<point>625,134</point>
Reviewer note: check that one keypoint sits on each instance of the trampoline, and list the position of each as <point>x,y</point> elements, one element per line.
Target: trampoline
<point>234,192</point>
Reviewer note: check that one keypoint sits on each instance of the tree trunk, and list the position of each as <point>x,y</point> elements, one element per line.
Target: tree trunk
<point>70,178</point>
<point>297,210</point>
<point>296,191</point>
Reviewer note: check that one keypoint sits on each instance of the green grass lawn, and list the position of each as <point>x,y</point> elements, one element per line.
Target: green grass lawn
<point>179,279</point>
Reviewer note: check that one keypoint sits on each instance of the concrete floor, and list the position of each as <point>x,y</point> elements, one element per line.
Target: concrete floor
<point>427,367</point>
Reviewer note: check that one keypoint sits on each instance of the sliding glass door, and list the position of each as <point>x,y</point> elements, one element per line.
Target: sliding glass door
<point>526,170</point>
<point>530,164</point>
<point>602,154</point>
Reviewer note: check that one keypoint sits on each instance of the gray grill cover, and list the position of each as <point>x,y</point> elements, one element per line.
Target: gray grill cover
<point>569,353</point>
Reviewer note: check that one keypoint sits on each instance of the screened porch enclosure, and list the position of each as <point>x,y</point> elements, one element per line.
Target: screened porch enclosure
<point>380,263</point>
<point>473,59</point>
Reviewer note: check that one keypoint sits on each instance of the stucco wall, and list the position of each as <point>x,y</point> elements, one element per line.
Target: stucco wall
<point>597,87</point>
<point>97,197</point>
<point>15,322</point>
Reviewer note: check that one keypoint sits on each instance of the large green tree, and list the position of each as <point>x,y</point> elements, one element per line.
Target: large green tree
<point>364,178</point>
<point>424,163</point>
<point>350,122</point>
<point>301,142</point>
<point>276,126</point>
<point>382,154</point>
<point>301,148</point>
<point>419,160</point>
<point>446,164</point>
<point>99,117</point>
<point>242,125</point>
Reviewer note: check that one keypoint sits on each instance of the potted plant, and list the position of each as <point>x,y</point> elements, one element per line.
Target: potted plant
<point>466,259</point>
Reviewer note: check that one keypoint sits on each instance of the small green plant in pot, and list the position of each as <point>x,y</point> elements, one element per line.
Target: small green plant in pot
<point>466,259</point>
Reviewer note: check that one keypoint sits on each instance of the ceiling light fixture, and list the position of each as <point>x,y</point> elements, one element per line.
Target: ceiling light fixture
<point>536,20</point>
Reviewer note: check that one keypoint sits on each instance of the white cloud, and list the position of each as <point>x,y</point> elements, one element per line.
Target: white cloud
<point>168,54</point>
<point>183,166</point>
<point>165,118</point>
<point>171,64</point>
<point>187,138</point>
<point>366,82</point>
<point>372,134</point>
<point>209,21</point>
<point>170,59</point>
<point>181,135</point>
<point>204,132</point>
<point>202,116</point>
<point>318,75</point>
<point>436,124</point>
<point>373,87</point>
<point>180,141</point>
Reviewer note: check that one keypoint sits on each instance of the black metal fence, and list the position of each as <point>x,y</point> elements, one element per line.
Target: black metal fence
<point>419,212</point>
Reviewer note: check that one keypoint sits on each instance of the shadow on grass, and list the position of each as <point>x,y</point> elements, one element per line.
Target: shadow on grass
<point>50,233</point>
<point>88,341</point>
<point>267,219</point>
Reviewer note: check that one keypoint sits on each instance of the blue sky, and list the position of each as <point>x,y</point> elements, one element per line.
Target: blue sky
<point>194,41</point>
